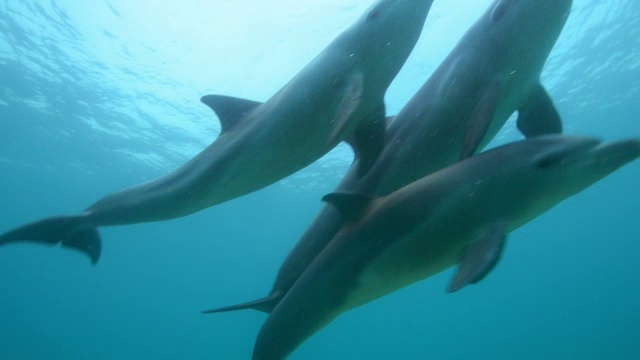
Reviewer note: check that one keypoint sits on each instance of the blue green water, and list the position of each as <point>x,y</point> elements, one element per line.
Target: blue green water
<point>98,96</point>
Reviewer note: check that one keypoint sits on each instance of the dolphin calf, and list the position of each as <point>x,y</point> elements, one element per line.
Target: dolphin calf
<point>338,94</point>
<point>492,72</point>
<point>459,215</point>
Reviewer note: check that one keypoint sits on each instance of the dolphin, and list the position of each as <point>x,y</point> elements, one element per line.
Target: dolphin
<point>491,73</point>
<point>339,94</point>
<point>459,215</point>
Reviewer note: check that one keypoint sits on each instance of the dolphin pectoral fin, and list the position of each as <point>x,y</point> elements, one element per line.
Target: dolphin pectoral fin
<point>350,100</point>
<point>539,116</point>
<point>229,109</point>
<point>368,140</point>
<point>265,305</point>
<point>350,205</point>
<point>70,231</point>
<point>479,257</point>
<point>480,119</point>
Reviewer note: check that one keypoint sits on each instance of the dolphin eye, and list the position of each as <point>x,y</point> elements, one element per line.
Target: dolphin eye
<point>551,158</point>
<point>499,11</point>
<point>548,162</point>
<point>373,14</point>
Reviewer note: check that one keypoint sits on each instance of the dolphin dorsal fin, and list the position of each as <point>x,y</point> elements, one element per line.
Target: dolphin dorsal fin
<point>480,257</point>
<point>229,109</point>
<point>350,205</point>
<point>265,305</point>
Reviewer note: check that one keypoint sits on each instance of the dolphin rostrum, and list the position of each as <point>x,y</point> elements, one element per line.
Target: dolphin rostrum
<point>492,72</point>
<point>459,215</point>
<point>339,94</point>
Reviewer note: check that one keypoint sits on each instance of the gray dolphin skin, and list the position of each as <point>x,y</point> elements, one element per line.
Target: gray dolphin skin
<point>459,215</point>
<point>338,94</point>
<point>492,72</point>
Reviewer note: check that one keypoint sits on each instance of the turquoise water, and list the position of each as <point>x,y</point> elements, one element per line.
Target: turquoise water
<point>96,97</point>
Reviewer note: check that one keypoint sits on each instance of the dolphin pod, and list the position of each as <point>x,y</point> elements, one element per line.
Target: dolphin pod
<point>458,215</point>
<point>339,94</point>
<point>492,72</point>
<point>419,197</point>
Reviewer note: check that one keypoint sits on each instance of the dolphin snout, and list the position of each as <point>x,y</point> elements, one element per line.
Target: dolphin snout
<point>622,151</point>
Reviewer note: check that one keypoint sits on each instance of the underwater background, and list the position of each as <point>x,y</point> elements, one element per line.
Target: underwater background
<point>102,95</point>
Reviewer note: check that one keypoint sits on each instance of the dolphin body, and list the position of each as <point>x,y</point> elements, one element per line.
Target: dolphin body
<point>492,72</point>
<point>459,215</point>
<point>338,94</point>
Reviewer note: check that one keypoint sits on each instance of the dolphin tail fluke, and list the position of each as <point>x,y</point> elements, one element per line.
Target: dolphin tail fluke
<point>70,231</point>
<point>265,305</point>
<point>539,116</point>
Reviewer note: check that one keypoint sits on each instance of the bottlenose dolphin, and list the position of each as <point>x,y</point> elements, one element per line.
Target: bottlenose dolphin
<point>338,94</point>
<point>492,72</point>
<point>459,215</point>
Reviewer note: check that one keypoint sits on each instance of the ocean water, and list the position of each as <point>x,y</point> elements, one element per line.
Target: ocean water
<point>98,96</point>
